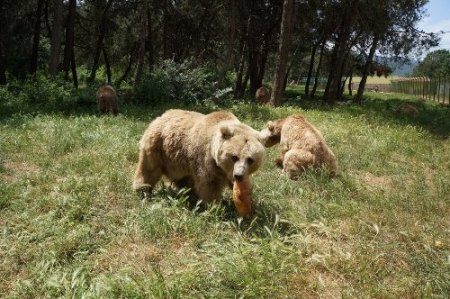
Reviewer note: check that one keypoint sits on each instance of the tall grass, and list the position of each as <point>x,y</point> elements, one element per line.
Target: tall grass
<point>71,226</point>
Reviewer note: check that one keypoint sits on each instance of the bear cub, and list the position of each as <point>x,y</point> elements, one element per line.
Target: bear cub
<point>302,145</point>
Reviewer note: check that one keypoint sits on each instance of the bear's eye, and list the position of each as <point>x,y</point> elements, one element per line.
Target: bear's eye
<point>234,158</point>
<point>250,161</point>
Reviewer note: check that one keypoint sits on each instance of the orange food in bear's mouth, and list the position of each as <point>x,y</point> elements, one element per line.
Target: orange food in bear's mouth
<point>242,197</point>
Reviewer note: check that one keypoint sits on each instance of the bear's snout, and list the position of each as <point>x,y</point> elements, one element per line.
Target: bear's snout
<point>239,171</point>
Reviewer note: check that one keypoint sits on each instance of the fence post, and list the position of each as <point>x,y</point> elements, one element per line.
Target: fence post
<point>445,85</point>
<point>423,88</point>
<point>439,88</point>
<point>434,90</point>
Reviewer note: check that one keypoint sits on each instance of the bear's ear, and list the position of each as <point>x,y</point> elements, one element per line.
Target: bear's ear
<point>270,125</point>
<point>226,132</point>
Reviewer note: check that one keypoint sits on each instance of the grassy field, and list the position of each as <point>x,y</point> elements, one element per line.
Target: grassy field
<point>71,226</point>
<point>374,79</point>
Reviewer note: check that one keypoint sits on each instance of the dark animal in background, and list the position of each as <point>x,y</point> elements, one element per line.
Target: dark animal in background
<point>262,95</point>
<point>107,100</point>
<point>408,109</point>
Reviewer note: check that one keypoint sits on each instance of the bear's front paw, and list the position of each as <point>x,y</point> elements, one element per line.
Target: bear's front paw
<point>144,193</point>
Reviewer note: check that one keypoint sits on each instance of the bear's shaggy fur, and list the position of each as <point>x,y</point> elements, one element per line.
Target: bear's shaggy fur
<point>107,100</point>
<point>262,95</point>
<point>302,145</point>
<point>203,152</point>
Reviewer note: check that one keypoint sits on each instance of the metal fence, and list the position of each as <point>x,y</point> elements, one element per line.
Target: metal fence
<point>435,89</point>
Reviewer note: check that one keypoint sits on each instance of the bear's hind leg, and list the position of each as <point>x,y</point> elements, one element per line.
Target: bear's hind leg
<point>296,162</point>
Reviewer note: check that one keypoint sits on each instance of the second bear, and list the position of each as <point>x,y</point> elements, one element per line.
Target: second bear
<point>203,152</point>
<point>107,100</point>
<point>262,95</point>
<point>302,145</point>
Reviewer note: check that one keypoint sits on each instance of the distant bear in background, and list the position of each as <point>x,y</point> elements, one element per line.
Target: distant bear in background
<point>302,145</point>
<point>262,95</point>
<point>407,109</point>
<point>107,100</point>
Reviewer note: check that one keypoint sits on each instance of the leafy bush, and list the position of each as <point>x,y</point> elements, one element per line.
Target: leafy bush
<point>176,82</point>
<point>44,95</point>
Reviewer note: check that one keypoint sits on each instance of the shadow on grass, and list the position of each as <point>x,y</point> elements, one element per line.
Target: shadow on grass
<point>433,117</point>
<point>263,222</point>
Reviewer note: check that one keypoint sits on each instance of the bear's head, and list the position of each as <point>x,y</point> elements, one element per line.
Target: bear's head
<point>238,151</point>
<point>271,135</point>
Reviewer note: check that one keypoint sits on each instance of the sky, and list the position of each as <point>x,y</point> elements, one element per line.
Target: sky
<point>438,19</point>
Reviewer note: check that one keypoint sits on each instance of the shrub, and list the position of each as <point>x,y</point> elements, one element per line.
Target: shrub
<point>176,82</point>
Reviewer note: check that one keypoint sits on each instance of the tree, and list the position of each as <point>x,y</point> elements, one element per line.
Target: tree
<point>102,30</point>
<point>365,71</point>
<point>283,53</point>
<point>141,51</point>
<point>69,57</point>
<point>57,30</point>
<point>436,63</point>
<point>36,37</point>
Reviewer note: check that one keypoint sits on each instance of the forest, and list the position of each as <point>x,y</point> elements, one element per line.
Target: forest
<point>216,45</point>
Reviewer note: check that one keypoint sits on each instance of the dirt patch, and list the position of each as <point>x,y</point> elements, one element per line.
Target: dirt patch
<point>384,183</point>
<point>315,284</point>
<point>142,255</point>
<point>12,170</point>
<point>128,253</point>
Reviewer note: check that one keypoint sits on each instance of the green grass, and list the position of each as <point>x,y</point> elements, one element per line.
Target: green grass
<point>71,226</point>
<point>375,79</point>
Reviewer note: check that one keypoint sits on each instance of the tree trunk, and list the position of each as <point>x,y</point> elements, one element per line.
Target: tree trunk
<point>165,33</point>
<point>108,66</point>
<point>230,42</point>
<point>283,52</point>
<point>141,50</point>
<point>127,70</point>
<point>286,77</point>
<point>365,72</point>
<point>2,43</point>
<point>149,44</point>
<point>2,63</point>
<point>99,45</point>
<point>340,49</point>
<point>311,68</point>
<point>46,19</point>
<point>350,87</point>
<point>319,65</point>
<point>238,87</point>
<point>70,38</point>
<point>55,44</point>
<point>74,70</point>
<point>36,37</point>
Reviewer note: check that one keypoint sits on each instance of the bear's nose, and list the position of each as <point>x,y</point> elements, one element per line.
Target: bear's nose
<point>238,177</point>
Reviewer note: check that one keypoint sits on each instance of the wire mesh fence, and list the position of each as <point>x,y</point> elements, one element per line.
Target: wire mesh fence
<point>434,89</point>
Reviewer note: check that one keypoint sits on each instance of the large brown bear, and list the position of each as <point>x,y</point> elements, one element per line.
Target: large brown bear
<point>262,95</point>
<point>107,100</point>
<point>203,152</point>
<point>302,145</point>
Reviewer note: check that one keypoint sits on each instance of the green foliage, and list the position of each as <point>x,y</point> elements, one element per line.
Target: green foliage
<point>174,82</point>
<point>435,64</point>
<point>44,95</point>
